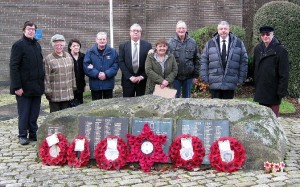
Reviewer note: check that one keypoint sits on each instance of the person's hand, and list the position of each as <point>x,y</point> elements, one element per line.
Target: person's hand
<point>150,51</point>
<point>90,66</point>
<point>164,84</point>
<point>195,80</point>
<point>19,92</point>
<point>140,78</point>
<point>133,79</point>
<point>102,76</point>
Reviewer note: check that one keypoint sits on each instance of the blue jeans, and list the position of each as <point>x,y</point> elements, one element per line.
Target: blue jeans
<point>186,86</point>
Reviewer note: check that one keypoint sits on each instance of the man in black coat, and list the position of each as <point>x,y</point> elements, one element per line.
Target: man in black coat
<point>271,70</point>
<point>27,81</point>
<point>132,64</point>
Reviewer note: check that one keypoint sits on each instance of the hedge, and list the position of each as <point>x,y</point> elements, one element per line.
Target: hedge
<point>284,17</point>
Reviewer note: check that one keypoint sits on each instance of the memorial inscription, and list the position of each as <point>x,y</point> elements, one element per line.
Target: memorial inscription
<point>55,129</point>
<point>207,130</point>
<point>96,129</point>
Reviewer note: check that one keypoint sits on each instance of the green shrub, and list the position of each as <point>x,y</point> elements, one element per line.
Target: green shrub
<point>285,18</point>
<point>204,34</point>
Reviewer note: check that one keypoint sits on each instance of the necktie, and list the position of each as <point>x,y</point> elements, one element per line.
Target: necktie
<point>223,57</point>
<point>135,61</point>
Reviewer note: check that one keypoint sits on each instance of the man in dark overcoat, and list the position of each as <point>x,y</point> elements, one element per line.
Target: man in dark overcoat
<point>271,70</point>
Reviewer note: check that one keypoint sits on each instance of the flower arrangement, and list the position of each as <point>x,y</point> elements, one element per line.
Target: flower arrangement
<point>188,158</point>
<point>54,154</point>
<point>146,148</point>
<point>75,160</point>
<point>111,157</point>
<point>273,167</point>
<point>237,161</point>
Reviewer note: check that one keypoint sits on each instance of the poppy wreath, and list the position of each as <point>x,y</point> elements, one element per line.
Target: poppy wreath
<point>234,165</point>
<point>146,139</point>
<point>107,164</point>
<point>195,161</point>
<point>84,156</point>
<point>60,159</point>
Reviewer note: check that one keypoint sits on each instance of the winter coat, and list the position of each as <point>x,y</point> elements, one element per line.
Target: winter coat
<point>60,80</point>
<point>27,68</point>
<point>236,69</point>
<point>155,73</point>
<point>79,72</point>
<point>106,62</point>
<point>187,57</point>
<point>271,72</point>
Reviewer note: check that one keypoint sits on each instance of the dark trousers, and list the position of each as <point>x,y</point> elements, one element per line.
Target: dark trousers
<point>56,106</point>
<point>79,96</point>
<point>134,90</point>
<point>101,94</point>
<point>28,111</point>
<point>222,94</point>
<point>274,108</point>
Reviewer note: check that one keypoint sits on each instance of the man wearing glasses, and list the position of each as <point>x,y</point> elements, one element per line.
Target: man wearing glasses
<point>27,81</point>
<point>132,57</point>
<point>271,70</point>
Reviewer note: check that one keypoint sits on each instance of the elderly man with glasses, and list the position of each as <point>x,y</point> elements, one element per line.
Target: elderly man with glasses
<point>271,70</point>
<point>132,58</point>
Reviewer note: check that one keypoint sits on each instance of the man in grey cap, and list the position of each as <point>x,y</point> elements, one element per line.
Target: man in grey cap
<point>271,70</point>
<point>59,75</point>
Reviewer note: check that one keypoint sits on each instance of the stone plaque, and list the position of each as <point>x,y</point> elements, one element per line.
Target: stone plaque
<point>55,129</point>
<point>96,129</point>
<point>158,126</point>
<point>207,130</point>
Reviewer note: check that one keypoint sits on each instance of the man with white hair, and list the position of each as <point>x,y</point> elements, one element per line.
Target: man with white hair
<point>186,53</point>
<point>101,65</point>
<point>132,58</point>
<point>224,63</point>
<point>59,75</point>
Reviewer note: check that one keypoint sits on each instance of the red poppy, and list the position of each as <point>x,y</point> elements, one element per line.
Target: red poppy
<point>198,153</point>
<point>60,158</point>
<point>146,148</point>
<point>234,165</point>
<point>106,163</point>
<point>84,155</point>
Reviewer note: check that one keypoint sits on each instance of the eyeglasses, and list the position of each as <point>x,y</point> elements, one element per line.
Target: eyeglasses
<point>265,34</point>
<point>135,30</point>
<point>30,29</point>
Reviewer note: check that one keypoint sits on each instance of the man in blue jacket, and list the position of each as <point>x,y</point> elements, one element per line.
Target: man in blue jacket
<point>27,81</point>
<point>224,63</point>
<point>101,66</point>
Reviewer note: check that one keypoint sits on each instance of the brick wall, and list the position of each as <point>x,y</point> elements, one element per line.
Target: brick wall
<point>84,19</point>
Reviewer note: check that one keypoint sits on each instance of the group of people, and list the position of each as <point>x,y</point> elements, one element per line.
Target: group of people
<point>175,64</point>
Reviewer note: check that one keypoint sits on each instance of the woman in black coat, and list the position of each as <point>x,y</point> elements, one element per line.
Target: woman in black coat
<point>74,50</point>
<point>271,70</point>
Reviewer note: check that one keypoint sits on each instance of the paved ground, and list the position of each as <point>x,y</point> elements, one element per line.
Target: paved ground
<point>18,166</point>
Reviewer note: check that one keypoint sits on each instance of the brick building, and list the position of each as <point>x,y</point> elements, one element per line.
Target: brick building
<point>84,19</point>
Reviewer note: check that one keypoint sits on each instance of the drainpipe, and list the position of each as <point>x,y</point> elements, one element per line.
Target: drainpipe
<point>111,23</point>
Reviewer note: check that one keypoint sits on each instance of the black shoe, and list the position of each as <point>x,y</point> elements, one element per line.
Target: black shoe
<point>32,139</point>
<point>23,141</point>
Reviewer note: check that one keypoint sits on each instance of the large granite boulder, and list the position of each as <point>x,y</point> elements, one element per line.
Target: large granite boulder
<point>255,126</point>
